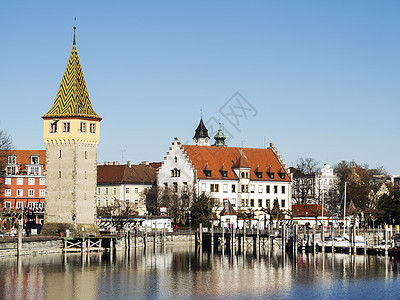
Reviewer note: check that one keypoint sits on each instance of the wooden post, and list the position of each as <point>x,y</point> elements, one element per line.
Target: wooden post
<point>283,229</point>
<point>258,235</point>
<point>365,242</point>
<point>232,237</point>
<point>386,241</point>
<point>19,247</point>
<point>223,238</point>
<point>244,235</point>
<point>314,241</point>
<point>200,233</point>
<point>212,235</point>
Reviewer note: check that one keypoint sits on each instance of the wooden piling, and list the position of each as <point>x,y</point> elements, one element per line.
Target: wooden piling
<point>19,246</point>
<point>212,235</point>
<point>386,242</point>
<point>200,233</point>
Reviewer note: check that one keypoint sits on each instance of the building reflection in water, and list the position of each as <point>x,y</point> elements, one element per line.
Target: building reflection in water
<point>183,272</point>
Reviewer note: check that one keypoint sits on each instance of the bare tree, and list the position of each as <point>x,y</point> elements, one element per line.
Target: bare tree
<point>5,147</point>
<point>304,180</point>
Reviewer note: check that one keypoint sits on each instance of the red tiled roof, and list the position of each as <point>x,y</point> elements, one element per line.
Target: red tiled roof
<point>24,156</point>
<point>310,210</point>
<point>107,174</point>
<point>216,156</point>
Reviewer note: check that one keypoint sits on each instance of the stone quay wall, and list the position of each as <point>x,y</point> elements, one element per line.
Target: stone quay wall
<point>31,245</point>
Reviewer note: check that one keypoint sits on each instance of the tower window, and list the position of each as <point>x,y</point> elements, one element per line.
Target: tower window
<point>59,153</point>
<point>85,154</point>
<point>66,127</point>
<point>83,126</point>
<point>59,174</point>
<point>176,159</point>
<point>92,128</point>
<point>53,127</point>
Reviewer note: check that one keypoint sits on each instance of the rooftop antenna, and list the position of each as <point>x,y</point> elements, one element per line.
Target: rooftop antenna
<point>122,156</point>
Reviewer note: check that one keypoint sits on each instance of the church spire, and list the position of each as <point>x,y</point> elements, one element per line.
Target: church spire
<point>201,137</point>
<point>72,98</point>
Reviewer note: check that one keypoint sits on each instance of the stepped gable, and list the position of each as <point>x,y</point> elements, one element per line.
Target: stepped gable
<point>72,98</point>
<point>230,156</point>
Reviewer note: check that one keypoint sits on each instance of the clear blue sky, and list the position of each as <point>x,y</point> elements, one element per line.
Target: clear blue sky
<point>322,77</point>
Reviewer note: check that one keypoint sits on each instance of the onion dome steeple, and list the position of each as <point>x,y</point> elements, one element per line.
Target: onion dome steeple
<point>72,99</point>
<point>201,137</point>
<point>220,138</point>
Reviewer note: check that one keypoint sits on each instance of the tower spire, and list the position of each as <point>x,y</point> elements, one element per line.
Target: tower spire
<point>74,43</point>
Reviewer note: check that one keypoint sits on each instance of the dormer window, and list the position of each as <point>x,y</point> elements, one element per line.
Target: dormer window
<point>271,175</point>
<point>12,159</point>
<point>259,174</point>
<point>281,173</point>
<point>207,173</point>
<point>224,173</point>
<point>34,159</point>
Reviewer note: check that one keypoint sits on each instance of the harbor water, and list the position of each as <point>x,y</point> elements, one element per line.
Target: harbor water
<point>189,272</point>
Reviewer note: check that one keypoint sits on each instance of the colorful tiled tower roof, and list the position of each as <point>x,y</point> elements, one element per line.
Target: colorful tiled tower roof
<point>72,99</point>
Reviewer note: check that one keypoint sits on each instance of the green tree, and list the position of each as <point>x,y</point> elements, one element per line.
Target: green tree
<point>202,210</point>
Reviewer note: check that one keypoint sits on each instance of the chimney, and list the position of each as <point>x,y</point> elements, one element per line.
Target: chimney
<point>128,162</point>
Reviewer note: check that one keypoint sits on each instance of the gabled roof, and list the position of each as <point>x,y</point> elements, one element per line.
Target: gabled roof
<point>241,162</point>
<point>201,131</point>
<point>216,156</point>
<point>119,174</point>
<point>72,98</point>
<point>228,209</point>
<point>310,210</point>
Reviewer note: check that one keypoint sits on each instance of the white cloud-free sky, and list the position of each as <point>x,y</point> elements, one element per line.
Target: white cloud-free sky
<point>320,78</point>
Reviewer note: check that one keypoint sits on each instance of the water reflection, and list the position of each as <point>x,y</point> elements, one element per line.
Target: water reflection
<point>188,271</point>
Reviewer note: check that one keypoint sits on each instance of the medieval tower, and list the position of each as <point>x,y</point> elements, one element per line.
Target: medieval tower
<point>71,136</point>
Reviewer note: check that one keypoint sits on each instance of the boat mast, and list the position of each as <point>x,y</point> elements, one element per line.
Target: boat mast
<point>344,207</point>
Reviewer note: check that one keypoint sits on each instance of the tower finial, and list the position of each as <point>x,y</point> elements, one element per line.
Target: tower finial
<point>201,112</point>
<point>74,31</point>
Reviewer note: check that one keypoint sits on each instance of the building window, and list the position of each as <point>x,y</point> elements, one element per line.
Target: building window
<point>233,201</point>
<point>252,202</point>
<point>203,187</point>
<point>283,203</point>
<point>105,201</point>
<point>165,185</point>
<point>185,187</point>
<point>34,170</point>
<point>31,193</point>
<point>7,204</point>
<point>233,188</point>
<point>207,173</point>
<point>271,175</point>
<point>92,128</point>
<point>283,190</point>
<point>245,188</point>
<point>42,181</point>
<point>59,174</point>
<point>20,181</point>
<point>83,126</point>
<point>175,184</point>
<point>127,190</point>
<point>214,188</point>
<point>98,191</point>
<point>12,159</point>
<point>267,203</point>
<point>114,191</point>
<point>20,193</point>
<point>31,181</point>
<point>275,189</point>
<point>268,190</point>
<point>136,202</point>
<point>53,127</point>
<point>98,201</point>
<point>127,202</point>
<point>66,127</point>
<point>106,190</point>
<point>113,201</point>
<point>242,202</point>
<point>175,172</point>
<point>20,205</point>
<point>175,159</point>
<point>7,193</point>
<point>11,170</point>
<point>7,181</point>
<point>252,188</point>
<point>59,153</point>
<point>259,202</point>
<point>30,205</point>
<point>34,160</point>
<point>41,193</point>
<point>225,188</point>
<point>136,190</point>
